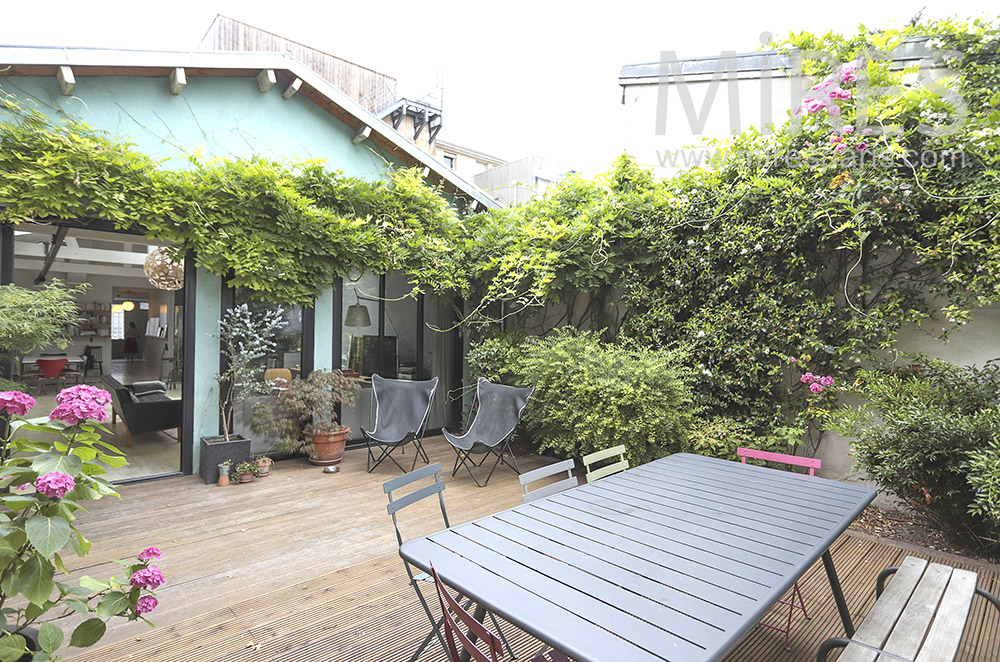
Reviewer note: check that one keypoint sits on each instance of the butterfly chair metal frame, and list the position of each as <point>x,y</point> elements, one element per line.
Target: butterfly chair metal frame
<point>621,464</point>
<point>392,431</point>
<point>397,504</point>
<point>455,616</point>
<point>499,409</point>
<point>813,464</point>
<point>544,472</point>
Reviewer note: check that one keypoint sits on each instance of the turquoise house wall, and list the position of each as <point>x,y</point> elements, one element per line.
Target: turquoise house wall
<point>213,117</point>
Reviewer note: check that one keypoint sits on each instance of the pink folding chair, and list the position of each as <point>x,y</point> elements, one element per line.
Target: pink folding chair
<point>813,464</point>
<point>454,616</point>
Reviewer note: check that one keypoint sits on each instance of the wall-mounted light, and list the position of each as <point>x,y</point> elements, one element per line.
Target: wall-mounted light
<point>117,308</point>
<point>128,306</point>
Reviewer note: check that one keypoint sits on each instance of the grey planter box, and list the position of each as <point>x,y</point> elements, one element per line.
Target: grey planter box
<point>215,450</point>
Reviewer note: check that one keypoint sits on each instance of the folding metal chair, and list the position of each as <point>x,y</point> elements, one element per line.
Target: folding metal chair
<point>397,504</point>
<point>499,410</point>
<point>794,460</point>
<point>401,409</point>
<point>454,616</point>
<point>546,472</point>
<point>621,464</point>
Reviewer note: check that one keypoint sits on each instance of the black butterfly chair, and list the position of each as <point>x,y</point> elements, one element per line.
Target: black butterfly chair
<point>401,409</point>
<point>500,410</point>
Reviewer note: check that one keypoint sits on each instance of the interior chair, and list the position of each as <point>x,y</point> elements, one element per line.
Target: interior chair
<point>51,372</point>
<point>271,374</point>
<point>401,408</point>
<point>397,504</point>
<point>168,369</point>
<point>454,617</point>
<point>92,358</point>
<point>812,464</point>
<point>545,472</point>
<point>613,467</point>
<point>499,410</point>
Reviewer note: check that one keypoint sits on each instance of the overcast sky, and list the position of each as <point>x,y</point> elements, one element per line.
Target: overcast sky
<point>519,78</point>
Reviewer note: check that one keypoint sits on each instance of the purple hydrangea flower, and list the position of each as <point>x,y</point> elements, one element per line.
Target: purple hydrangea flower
<point>149,578</point>
<point>80,403</point>
<point>146,604</point>
<point>55,485</point>
<point>16,403</point>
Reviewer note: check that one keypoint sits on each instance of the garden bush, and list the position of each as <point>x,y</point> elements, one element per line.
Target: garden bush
<point>591,395</point>
<point>925,436</point>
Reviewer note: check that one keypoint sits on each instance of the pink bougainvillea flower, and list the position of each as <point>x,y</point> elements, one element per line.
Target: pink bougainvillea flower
<point>807,378</point>
<point>16,403</point>
<point>792,359</point>
<point>55,485</point>
<point>839,93</point>
<point>847,130</point>
<point>840,148</point>
<point>814,105</point>
<point>149,554</point>
<point>826,381</point>
<point>847,72</point>
<point>146,604</point>
<point>862,146</point>
<point>816,387</point>
<point>835,139</point>
<point>833,111</point>
<point>80,403</point>
<point>150,578</point>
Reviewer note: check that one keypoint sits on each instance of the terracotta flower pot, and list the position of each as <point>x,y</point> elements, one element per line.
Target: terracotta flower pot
<point>247,477</point>
<point>329,447</point>
<point>265,467</point>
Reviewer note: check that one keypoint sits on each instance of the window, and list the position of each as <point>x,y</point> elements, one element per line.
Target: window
<point>449,160</point>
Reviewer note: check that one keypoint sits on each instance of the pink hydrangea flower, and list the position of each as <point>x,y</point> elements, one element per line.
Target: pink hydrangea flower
<point>833,111</point>
<point>840,148</point>
<point>149,554</point>
<point>826,381</point>
<point>146,604</point>
<point>847,130</point>
<point>839,93</point>
<point>55,485</point>
<point>16,403</point>
<point>835,139</point>
<point>80,403</point>
<point>150,578</point>
<point>807,378</point>
<point>816,387</point>
<point>862,146</point>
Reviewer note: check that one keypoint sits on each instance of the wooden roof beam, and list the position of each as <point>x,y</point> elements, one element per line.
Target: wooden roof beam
<point>266,80</point>
<point>361,135</point>
<point>291,89</point>
<point>67,81</point>
<point>178,79</point>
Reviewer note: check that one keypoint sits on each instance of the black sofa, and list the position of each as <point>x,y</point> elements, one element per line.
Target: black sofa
<point>144,407</point>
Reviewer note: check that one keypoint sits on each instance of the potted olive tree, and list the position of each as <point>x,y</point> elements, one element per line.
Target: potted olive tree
<point>303,416</point>
<point>245,337</point>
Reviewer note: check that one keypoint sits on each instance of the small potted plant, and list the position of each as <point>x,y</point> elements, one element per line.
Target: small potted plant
<point>263,463</point>
<point>247,471</point>
<point>245,337</point>
<point>304,417</point>
<point>224,467</point>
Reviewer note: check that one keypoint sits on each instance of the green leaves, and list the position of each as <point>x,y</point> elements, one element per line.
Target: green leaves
<point>88,633</point>
<point>34,579</point>
<point>47,534</point>
<point>44,463</point>
<point>12,646</point>
<point>50,637</point>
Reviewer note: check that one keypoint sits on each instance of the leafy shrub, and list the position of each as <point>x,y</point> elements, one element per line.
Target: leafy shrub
<point>918,435</point>
<point>591,395</point>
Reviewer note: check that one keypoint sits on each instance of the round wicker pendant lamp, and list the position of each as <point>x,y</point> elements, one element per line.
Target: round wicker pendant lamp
<point>162,272</point>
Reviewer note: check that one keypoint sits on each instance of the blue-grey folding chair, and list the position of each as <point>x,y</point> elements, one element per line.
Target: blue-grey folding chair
<point>499,410</point>
<point>401,409</point>
<point>397,504</point>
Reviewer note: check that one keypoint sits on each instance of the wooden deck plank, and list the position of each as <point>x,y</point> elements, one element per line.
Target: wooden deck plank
<point>302,567</point>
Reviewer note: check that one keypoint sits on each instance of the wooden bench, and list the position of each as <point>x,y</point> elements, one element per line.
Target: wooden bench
<point>920,617</point>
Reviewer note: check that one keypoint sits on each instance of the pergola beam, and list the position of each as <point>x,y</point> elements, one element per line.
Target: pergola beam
<point>50,254</point>
<point>361,135</point>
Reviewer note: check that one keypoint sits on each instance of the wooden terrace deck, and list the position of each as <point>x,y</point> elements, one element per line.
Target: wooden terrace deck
<point>302,566</point>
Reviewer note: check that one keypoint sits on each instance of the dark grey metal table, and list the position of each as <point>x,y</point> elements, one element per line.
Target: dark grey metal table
<point>673,560</point>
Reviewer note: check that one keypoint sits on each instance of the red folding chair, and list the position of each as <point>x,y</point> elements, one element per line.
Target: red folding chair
<point>813,464</point>
<point>454,617</point>
<point>51,370</point>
